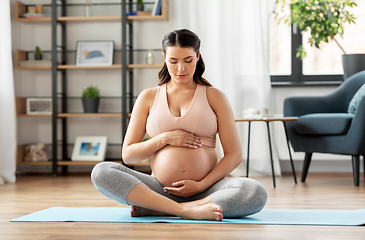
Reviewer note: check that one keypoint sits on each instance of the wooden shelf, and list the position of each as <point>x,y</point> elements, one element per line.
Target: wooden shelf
<point>114,66</point>
<point>34,68</point>
<point>22,55</point>
<point>78,163</point>
<point>145,66</point>
<point>118,66</point>
<point>20,10</point>
<point>20,161</point>
<point>34,115</point>
<point>88,19</point>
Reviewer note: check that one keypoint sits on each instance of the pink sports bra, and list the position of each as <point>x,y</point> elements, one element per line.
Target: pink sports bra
<point>198,119</point>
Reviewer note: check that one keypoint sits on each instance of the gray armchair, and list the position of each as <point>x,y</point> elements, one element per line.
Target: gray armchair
<point>325,126</point>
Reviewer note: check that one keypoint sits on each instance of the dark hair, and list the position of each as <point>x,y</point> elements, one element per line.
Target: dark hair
<point>183,38</point>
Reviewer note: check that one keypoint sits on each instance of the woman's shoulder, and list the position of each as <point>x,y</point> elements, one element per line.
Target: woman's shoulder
<point>213,93</point>
<point>216,97</point>
<point>148,94</point>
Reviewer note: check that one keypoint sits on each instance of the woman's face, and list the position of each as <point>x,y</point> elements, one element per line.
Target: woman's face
<point>181,63</point>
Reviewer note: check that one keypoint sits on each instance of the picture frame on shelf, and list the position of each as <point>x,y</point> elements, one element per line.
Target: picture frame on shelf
<point>94,53</point>
<point>36,106</point>
<point>89,148</point>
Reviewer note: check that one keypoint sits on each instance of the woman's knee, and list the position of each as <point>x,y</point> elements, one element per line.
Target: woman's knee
<point>259,195</point>
<point>100,171</point>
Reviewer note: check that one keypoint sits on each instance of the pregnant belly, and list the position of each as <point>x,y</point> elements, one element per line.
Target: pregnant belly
<point>172,164</point>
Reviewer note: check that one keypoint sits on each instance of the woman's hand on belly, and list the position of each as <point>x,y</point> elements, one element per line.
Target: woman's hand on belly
<point>180,138</point>
<point>184,188</point>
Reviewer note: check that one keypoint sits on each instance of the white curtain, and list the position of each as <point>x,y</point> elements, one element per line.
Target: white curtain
<point>235,48</point>
<point>7,99</point>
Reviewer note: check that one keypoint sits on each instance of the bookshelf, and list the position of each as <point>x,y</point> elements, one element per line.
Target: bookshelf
<point>61,65</point>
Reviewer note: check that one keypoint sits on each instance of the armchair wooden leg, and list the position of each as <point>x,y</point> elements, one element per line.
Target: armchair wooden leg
<point>356,168</point>
<point>306,163</point>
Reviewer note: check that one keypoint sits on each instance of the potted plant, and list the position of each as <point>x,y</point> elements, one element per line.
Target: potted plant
<point>325,19</point>
<point>38,53</point>
<point>90,99</point>
<point>140,5</point>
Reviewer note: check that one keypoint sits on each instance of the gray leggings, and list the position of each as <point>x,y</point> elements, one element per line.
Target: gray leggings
<point>238,197</point>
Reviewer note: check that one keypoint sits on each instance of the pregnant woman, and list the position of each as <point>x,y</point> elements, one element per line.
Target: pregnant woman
<point>182,117</point>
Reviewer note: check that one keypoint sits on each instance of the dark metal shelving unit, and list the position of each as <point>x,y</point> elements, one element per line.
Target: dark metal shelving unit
<point>127,75</point>
<point>126,58</point>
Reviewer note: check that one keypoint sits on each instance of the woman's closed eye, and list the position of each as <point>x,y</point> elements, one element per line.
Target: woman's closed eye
<point>187,61</point>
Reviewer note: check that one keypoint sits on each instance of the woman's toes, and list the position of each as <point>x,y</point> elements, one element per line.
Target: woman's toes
<point>219,215</point>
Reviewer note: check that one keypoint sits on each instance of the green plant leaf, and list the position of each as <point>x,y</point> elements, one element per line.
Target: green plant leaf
<point>323,18</point>
<point>91,92</point>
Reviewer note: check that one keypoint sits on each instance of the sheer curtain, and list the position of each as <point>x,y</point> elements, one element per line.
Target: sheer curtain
<point>235,48</point>
<point>7,99</point>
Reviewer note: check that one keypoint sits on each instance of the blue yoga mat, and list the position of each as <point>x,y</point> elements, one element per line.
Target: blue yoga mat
<point>266,216</point>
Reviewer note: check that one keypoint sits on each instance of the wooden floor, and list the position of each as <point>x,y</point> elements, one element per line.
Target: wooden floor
<point>33,193</point>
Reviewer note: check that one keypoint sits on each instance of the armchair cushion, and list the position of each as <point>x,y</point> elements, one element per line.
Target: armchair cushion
<point>324,123</point>
<point>354,103</point>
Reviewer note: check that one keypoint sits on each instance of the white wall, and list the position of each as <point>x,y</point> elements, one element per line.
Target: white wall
<point>146,35</point>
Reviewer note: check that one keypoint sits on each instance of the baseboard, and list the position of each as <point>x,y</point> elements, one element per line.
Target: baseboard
<point>331,166</point>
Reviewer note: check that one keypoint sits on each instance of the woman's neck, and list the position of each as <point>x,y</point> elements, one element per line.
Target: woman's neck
<point>172,84</point>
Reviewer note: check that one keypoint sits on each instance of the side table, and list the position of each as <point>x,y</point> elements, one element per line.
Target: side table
<point>268,120</point>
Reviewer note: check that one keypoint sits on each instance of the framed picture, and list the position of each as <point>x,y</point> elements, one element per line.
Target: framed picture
<point>39,106</point>
<point>89,148</point>
<point>94,53</point>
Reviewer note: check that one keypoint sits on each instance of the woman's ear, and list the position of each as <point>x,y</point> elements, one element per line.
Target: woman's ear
<point>163,55</point>
<point>198,56</point>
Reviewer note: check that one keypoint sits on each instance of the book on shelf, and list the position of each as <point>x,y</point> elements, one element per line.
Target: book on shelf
<point>35,63</point>
<point>138,13</point>
<point>157,8</point>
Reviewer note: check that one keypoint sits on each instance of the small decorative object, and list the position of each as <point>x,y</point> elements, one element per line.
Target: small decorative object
<point>35,153</point>
<point>94,53</point>
<point>39,8</point>
<point>264,111</point>
<point>32,10</point>
<point>87,8</point>
<point>149,58</point>
<point>90,99</point>
<point>89,148</point>
<point>39,106</point>
<point>38,53</point>
<point>140,5</point>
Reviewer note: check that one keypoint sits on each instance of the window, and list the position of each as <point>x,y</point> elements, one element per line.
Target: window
<point>321,66</point>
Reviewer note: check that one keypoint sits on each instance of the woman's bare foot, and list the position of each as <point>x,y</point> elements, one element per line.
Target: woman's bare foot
<point>194,211</point>
<point>210,211</point>
<point>140,212</point>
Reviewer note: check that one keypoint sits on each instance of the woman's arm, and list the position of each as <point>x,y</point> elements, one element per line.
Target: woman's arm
<point>228,136</point>
<point>134,149</point>
<point>231,146</point>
